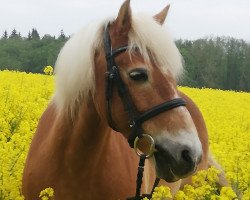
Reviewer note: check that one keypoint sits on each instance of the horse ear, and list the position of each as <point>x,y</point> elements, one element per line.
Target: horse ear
<point>161,16</point>
<point>124,19</point>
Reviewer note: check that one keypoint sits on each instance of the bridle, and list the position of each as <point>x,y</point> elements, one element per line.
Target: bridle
<point>113,78</point>
<point>136,118</point>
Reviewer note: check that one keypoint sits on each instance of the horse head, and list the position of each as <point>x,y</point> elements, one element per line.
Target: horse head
<point>149,65</point>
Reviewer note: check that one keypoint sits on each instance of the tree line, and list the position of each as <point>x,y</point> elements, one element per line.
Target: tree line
<point>31,53</point>
<point>214,62</point>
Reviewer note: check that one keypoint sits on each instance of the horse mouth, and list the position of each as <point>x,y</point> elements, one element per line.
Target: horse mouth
<point>168,169</point>
<point>163,168</point>
<point>166,174</point>
<point>169,176</point>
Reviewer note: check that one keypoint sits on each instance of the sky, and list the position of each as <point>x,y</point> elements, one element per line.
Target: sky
<point>187,19</point>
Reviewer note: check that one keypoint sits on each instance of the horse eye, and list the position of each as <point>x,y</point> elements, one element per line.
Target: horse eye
<point>138,75</point>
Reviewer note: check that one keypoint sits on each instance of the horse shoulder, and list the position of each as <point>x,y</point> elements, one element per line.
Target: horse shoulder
<point>45,125</point>
<point>33,160</point>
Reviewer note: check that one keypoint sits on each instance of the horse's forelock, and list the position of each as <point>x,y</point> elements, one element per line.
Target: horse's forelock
<point>155,43</point>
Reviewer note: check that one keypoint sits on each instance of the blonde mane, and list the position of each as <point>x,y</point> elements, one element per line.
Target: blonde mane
<point>75,64</point>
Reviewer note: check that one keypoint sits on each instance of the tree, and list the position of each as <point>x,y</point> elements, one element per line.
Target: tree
<point>48,37</point>
<point>220,62</point>
<point>62,35</point>
<point>5,35</point>
<point>235,57</point>
<point>14,34</point>
<point>29,36</point>
<point>35,34</point>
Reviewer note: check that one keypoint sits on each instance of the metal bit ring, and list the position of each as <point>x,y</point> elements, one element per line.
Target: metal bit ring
<point>151,149</point>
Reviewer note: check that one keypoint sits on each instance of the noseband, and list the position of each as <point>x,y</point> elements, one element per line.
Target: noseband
<point>113,78</point>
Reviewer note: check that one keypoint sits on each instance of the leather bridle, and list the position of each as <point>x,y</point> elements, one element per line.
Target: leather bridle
<point>113,78</point>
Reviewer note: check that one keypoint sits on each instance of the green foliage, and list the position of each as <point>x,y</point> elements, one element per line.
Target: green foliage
<point>220,62</point>
<point>29,54</point>
<point>5,35</point>
<point>14,34</point>
<point>35,34</point>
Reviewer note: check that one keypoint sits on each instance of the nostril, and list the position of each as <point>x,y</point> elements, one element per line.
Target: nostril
<point>185,154</point>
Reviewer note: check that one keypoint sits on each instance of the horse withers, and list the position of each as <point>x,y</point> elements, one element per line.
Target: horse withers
<point>116,81</point>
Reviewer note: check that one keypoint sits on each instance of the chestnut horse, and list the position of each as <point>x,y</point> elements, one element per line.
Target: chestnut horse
<point>77,153</point>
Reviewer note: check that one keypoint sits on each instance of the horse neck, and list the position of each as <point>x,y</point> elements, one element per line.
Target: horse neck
<point>86,137</point>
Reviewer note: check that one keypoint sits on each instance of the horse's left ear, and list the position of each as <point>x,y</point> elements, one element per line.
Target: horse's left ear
<point>161,16</point>
<point>124,19</point>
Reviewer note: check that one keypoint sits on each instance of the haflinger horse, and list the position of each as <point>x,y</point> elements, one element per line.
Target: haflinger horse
<point>117,80</point>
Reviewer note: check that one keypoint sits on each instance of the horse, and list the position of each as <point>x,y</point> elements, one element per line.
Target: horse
<point>115,78</point>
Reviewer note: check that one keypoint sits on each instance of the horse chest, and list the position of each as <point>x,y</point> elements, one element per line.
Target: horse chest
<point>107,179</point>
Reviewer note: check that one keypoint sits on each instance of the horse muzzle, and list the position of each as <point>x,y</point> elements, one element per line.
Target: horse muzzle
<point>176,160</point>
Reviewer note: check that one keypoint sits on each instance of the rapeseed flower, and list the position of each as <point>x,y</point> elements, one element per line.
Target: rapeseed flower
<point>48,70</point>
<point>25,96</point>
<point>47,194</point>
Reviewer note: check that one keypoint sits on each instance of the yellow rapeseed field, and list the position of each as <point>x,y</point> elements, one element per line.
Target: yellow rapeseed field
<point>23,98</point>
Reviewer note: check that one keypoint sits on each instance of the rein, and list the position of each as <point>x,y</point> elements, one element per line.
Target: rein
<point>136,118</point>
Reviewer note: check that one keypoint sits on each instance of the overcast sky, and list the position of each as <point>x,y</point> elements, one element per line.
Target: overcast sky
<point>188,19</point>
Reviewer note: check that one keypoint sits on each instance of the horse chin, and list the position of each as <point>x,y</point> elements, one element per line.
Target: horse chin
<point>166,174</point>
<point>171,180</point>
